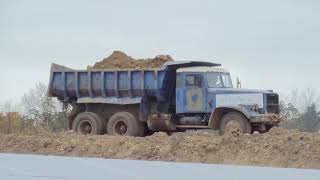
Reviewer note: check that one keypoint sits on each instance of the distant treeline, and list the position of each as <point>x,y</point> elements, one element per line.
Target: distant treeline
<point>35,113</point>
<point>300,110</point>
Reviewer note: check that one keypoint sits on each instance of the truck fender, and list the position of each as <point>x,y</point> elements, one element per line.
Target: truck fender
<point>219,112</point>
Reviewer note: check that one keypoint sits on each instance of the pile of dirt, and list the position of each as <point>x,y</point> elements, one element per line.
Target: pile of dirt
<point>120,60</point>
<point>278,148</point>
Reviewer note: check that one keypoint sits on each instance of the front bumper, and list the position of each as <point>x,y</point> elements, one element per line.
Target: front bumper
<point>268,118</point>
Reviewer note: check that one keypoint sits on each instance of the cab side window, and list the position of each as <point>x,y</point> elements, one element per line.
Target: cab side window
<point>193,80</point>
<point>179,81</point>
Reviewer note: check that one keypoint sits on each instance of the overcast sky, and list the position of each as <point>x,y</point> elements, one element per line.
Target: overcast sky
<point>269,44</point>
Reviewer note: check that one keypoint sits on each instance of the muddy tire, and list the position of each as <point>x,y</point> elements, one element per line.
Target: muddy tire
<point>234,122</point>
<point>88,123</point>
<point>124,124</point>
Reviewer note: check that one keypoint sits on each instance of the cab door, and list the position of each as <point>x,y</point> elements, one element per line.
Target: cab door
<point>193,93</point>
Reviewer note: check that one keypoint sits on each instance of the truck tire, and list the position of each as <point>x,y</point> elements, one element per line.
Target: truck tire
<point>124,124</point>
<point>234,122</point>
<point>88,123</point>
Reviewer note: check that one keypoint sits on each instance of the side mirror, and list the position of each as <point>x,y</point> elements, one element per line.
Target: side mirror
<point>238,83</point>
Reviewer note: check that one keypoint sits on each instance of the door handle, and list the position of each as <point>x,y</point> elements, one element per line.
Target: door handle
<point>210,103</point>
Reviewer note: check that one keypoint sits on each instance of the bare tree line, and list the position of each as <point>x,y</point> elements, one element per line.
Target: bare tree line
<point>35,112</point>
<point>300,110</point>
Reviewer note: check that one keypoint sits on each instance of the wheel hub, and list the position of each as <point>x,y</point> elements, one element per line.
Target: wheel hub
<point>121,128</point>
<point>85,127</point>
<point>232,126</point>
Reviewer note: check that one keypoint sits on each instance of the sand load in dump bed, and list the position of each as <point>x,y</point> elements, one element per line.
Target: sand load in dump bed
<point>120,60</point>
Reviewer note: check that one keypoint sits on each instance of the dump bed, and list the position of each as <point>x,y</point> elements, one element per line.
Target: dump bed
<point>118,86</point>
<point>67,84</point>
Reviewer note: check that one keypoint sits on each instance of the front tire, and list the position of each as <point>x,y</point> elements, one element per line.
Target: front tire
<point>88,123</point>
<point>124,124</point>
<point>234,122</point>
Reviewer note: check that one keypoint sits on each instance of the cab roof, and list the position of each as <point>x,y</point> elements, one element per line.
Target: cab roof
<point>202,69</point>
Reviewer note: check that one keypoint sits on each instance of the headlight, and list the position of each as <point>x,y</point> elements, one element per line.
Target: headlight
<point>255,108</point>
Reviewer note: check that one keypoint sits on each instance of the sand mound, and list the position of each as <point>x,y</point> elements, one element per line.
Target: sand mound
<point>278,148</point>
<point>120,60</point>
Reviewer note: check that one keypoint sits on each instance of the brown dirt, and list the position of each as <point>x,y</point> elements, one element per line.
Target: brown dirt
<point>278,148</point>
<point>120,60</point>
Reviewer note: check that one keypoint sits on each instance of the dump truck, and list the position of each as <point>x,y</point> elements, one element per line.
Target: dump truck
<point>178,96</point>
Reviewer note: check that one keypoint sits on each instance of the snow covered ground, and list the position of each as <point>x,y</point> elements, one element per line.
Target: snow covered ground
<point>36,167</point>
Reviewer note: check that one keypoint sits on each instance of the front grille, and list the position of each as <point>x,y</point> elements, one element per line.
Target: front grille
<point>273,103</point>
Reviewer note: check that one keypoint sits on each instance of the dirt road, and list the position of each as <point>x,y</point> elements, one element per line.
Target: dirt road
<point>278,148</point>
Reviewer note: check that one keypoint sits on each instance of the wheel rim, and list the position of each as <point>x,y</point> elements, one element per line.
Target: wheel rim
<point>232,126</point>
<point>85,127</point>
<point>120,128</point>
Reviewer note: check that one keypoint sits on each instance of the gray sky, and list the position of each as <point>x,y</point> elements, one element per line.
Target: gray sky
<point>269,44</point>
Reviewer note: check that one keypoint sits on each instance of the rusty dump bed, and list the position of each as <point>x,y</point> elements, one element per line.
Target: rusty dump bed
<point>118,86</point>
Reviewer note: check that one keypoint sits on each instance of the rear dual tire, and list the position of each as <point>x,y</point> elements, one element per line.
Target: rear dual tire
<point>120,124</point>
<point>124,124</point>
<point>88,123</point>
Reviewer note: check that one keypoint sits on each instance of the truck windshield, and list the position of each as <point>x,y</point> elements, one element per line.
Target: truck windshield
<point>219,80</point>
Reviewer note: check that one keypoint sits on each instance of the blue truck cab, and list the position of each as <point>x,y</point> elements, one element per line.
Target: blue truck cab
<point>208,92</point>
<point>178,96</point>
